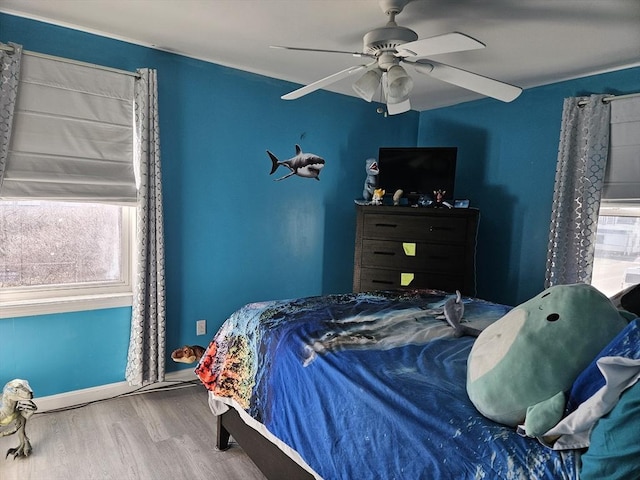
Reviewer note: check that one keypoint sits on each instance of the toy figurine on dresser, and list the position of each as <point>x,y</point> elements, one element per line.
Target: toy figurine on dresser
<point>439,201</point>
<point>371,182</point>
<point>378,196</point>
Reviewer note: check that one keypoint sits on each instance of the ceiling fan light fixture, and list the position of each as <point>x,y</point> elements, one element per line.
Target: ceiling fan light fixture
<point>399,83</point>
<point>398,107</point>
<point>367,84</point>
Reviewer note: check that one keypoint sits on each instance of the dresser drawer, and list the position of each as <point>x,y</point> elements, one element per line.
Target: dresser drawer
<point>380,279</point>
<point>437,228</point>
<point>405,247</point>
<point>413,256</point>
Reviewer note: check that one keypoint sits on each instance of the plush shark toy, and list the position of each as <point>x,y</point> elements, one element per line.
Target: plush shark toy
<point>453,311</point>
<point>521,366</point>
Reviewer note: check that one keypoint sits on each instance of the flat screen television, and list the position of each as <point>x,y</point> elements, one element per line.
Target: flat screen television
<point>418,171</point>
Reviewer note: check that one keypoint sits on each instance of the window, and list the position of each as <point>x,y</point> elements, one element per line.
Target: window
<point>616,262</point>
<point>617,254</point>
<point>56,256</point>
<point>68,192</point>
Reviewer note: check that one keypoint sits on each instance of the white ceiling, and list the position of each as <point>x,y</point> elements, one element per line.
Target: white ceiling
<point>529,42</point>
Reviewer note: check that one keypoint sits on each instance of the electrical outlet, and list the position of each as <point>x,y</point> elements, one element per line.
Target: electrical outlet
<point>201,327</point>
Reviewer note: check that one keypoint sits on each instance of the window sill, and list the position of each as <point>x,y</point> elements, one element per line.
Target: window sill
<point>24,308</point>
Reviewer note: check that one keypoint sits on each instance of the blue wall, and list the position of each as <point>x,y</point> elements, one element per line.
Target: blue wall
<point>507,154</point>
<point>65,352</point>
<point>233,234</point>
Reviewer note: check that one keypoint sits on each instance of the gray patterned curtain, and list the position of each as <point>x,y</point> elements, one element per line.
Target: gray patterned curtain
<point>9,76</point>
<point>146,358</point>
<point>582,158</point>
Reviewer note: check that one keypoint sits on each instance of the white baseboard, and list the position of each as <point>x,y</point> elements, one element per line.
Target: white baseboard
<point>103,392</point>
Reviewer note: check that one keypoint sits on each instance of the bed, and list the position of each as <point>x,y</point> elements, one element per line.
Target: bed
<point>363,386</point>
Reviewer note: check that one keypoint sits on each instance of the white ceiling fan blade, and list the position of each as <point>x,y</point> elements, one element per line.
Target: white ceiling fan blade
<point>471,81</point>
<point>447,43</point>
<point>323,82</point>
<point>301,49</point>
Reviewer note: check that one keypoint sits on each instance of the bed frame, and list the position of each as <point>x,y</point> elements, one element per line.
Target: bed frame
<point>271,461</point>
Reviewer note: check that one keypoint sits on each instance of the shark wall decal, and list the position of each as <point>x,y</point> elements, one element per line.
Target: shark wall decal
<point>305,165</point>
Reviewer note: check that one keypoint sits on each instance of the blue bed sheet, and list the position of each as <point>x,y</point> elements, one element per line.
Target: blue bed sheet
<point>370,386</point>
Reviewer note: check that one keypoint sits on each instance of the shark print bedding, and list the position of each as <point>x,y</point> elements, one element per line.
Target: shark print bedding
<point>369,386</point>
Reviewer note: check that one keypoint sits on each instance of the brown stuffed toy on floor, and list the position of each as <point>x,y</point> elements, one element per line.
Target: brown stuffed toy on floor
<point>188,354</point>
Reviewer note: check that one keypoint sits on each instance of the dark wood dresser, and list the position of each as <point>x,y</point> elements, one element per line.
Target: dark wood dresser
<point>408,247</point>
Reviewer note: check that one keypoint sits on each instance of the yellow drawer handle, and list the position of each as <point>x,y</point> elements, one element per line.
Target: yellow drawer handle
<point>409,249</point>
<point>406,279</point>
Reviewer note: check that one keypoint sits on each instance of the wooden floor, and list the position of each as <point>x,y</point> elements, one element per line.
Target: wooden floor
<point>152,436</point>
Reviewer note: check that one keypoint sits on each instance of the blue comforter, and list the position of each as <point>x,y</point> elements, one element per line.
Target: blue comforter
<point>370,386</point>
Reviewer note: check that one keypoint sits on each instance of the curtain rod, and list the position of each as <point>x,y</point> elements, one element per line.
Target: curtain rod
<point>10,49</point>
<point>610,98</point>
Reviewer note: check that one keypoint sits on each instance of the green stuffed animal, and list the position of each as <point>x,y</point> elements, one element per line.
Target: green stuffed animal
<point>521,366</point>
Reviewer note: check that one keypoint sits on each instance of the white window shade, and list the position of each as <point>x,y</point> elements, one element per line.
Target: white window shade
<point>72,136</point>
<point>622,179</point>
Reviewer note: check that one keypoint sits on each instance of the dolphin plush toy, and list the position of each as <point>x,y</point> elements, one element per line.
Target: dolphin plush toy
<point>521,366</point>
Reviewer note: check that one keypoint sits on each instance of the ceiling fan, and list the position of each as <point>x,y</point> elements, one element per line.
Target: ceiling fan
<point>393,45</point>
